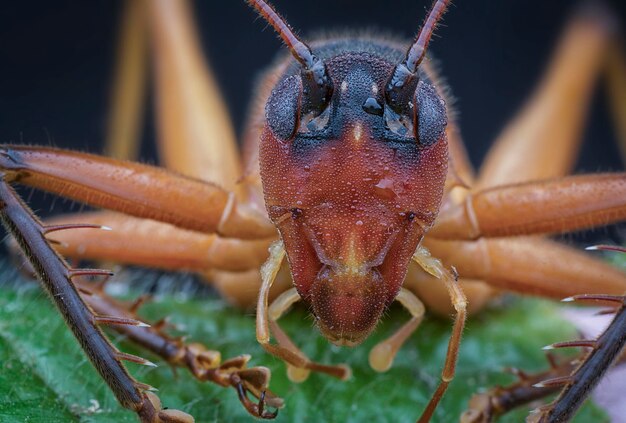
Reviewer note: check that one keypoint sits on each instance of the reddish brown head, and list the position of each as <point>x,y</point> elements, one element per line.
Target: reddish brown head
<point>353,162</point>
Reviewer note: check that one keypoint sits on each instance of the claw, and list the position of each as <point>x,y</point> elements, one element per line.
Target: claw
<point>258,409</point>
<point>261,408</point>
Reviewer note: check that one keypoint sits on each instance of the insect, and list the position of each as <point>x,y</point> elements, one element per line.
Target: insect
<point>392,109</point>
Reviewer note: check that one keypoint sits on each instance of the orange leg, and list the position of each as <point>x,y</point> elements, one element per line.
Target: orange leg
<point>159,245</point>
<point>195,133</point>
<point>616,92</point>
<point>229,264</point>
<point>196,137</point>
<point>136,189</point>
<point>542,142</point>
<point>242,288</point>
<point>436,297</point>
<point>530,266</point>
<point>130,84</point>
<point>559,205</point>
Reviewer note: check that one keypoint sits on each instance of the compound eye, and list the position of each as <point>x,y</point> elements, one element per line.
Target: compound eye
<point>282,110</point>
<point>430,119</point>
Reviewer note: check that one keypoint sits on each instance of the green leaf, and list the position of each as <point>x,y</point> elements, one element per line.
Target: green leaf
<point>46,378</point>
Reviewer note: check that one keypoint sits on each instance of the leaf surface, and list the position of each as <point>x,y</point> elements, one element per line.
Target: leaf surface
<point>45,377</point>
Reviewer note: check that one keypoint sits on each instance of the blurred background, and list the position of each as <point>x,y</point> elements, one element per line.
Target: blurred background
<point>58,62</point>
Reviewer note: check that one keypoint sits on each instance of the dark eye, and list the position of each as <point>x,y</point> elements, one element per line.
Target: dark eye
<point>430,117</point>
<point>282,110</point>
<point>289,110</point>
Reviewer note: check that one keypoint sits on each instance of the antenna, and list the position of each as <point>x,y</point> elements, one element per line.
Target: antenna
<point>397,91</point>
<point>314,71</point>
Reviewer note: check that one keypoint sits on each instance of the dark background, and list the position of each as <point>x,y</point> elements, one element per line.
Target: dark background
<point>56,63</point>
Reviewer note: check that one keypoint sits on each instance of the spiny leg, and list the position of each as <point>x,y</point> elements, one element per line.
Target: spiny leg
<point>136,189</point>
<point>485,407</point>
<point>450,280</point>
<point>266,318</point>
<point>56,276</point>
<point>382,355</point>
<point>540,267</point>
<point>605,351</point>
<point>229,264</point>
<point>579,385</point>
<point>204,364</point>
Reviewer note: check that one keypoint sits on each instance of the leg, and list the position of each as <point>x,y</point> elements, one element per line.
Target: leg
<point>196,137</point>
<point>530,266</point>
<point>436,269</point>
<point>130,83</point>
<point>560,205</point>
<point>159,245</point>
<point>204,364</point>
<point>382,355</point>
<point>576,378</point>
<point>229,264</point>
<point>435,296</point>
<point>542,142</point>
<point>56,276</point>
<point>485,407</point>
<point>300,372</point>
<point>135,189</point>
<point>242,288</point>
<point>266,318</point>
<point>605,351</point>
<point>616,92</point>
